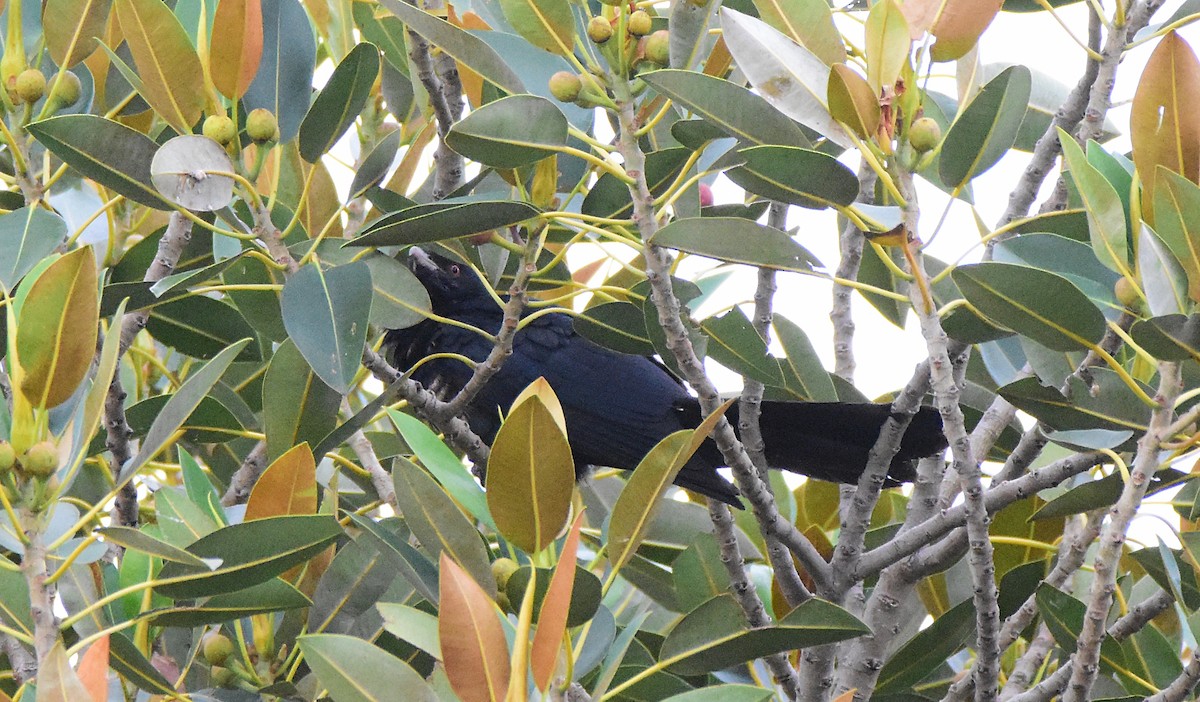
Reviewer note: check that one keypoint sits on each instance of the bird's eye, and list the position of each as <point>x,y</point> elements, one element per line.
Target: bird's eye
<point>454,270</point>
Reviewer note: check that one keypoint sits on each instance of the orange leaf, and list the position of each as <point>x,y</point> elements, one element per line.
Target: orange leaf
<point>1164,124</point>
<point>238,31</point>
<point>959,25</point>
<point>287,486</point>
<point>552,622</point>
<point>474,650</point>
<point>93,670</point>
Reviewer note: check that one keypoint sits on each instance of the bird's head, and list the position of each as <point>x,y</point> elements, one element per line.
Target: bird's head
<point>448,282</point>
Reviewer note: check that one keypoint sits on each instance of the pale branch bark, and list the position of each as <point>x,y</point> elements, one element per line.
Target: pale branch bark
<point>1048,687</point>
<point>850,244</point>
<point>1086,663</point>
<point>41,593</point>
<point>440,80</point>
<point>117,431</point>
<point>20,659</point>
<point>246,476</point>
<point>1140,615</point>
<point>1026,668</point>
<point>762,502</point>
<point>380,480</point>
<point>746,595</point>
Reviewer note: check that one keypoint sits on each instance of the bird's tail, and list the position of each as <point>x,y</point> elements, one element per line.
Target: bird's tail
<point>831,440</point>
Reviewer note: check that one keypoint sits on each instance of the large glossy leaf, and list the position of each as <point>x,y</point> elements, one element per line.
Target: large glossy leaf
<point>412,625</point>
<point>852,101</point>
<point>735,110</point>
<point>438,523</point>
<point>376,165</point>
<point>247,554</point>
<point>172,78</point>
<point>789,76</point>
<point>142,540</point>
<point>1163,279</point>
<point>27,235</point>
<point>464,47</point>
<point>339,102</point>
<point>735,344</point>
<point>796,176</point>
<point>809,23</point>
<point>74,29</point>
<point>736,240</point>
<point>274,595</point>
<point>57,681</point>
<point>199,326</point>
<point>57,327</point>
<point>930,648</point>
<point>1164,124</point>
<point>353,670</point>
<point>958,26</point>
<point>554,614</point>
<point>715,636</point>
<point>803,361</point>
<point>297,405</point>
<point>547,24</point>
<point>439,221</point>
<point>1106,213</point>
<point>986,129</point>
<point>357,577</point>
<point>1043,306</point>
<point>1073,260</point>
<point>510,132</point>
<point>531,475</point>
<point>181,405</point>
<point>287,486</point>
<point>439,460</point>
<point>238,32</point>
<point>887,44</point>
<point>392,544</point>
<point>620,326</point>
<point>474,650</point>
<point>1177,221</point>
<point>104,150</point>
<point>283,83</point>
<point>1170,338</point>
<point>1108,404</point>
<point>326,313</point>
<point>260,308</point>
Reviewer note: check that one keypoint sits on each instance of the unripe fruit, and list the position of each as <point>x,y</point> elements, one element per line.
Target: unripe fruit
<point>222,677</point>
<point>10,66</point>
<point>261,125</point>
<point>1127,294</point>
<point>31,85</point>
<point>640,23</point>
<point>41,459</point>
<point>565,86</point>
<point>658,47</point>
<point>217,648</point>
<point>706,195</point>
<point>924,134</point>
<point>502,570</point>
<point>220,129</point>
<point>66,90</point>
<point>8,457</point>
<point>599,30</point>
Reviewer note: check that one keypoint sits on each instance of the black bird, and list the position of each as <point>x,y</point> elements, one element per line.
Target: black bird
<point>618,406</point>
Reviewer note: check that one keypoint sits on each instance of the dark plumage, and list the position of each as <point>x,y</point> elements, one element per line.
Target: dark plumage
<point>618,406</point>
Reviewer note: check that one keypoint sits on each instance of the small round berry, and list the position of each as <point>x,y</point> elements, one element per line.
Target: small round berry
<point>599,30</point>
<point>658,47</point>
<point>41,459</point>
<point>924,134</point>
<point>261,125</point>
<point>565,86</point>
<point>31,85</point>
<point>640,23</point>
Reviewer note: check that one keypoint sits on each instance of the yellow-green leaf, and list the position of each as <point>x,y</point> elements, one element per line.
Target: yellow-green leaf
<point>73,28</point>
<point>887,44</point>
<point>547,24</point>
<point>531,474</point>
<point>1106,214</point>
<point>57,328</point>
<point>808,23</point>
<point>474,650</point>
<point>168,65</point>
<point>287,486</point>
<point>1164,123</point>
<point>237,38</point>
<point>853,102</point>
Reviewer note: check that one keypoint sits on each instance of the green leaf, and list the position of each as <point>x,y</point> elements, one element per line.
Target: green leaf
<point>619,326</point>
<point>75,30</point>
<point>547,24</point>
<point>724,693</point>
<point>339,102</point>
<point>930,648</point>
<point>715,636</point>
<point>326,313</point>
<point>789,76</point>
<point>27,235</point>
<point>609,197</point>
<point>802,360</point>
<point>199,326</point>
<point>737,111</point>
<point>887,44</point>
<point>297,405</point>
<point>985,130</point>
<point>698,573</point>
<point>734,343</point>
<point>1170,338</point>
<point>469,50</point>
<point>809,23</point>
<point>531,475</point>
<point>274,595</point>
<point>172,78</point>
<point>249,553</point>
<point>1163,279</point>
<point>393,545</point>
<point>180,407</point>
<point>104,150</point>
<point>412,625</point>
<point>1177,221</point>
<point>440,221</point>
<point>1107,404</point>
<point>258,307</point>
<point>55,338</point>
<point>128,662</point>
<point>284,80</point>
<point>1097,494</point>
<point>376,165</point>
<point>400,300</point>
<point>585,593</point>
<point>138,540</point>
<point>511,132</point>
<point>353,670</point>
<point>438,523</point>
<point>439,460</point>
<point>1106,213</point>
<point>736,240</point>
<point>796,176</point>
<point>351,586</point>
<point>1043,306</point>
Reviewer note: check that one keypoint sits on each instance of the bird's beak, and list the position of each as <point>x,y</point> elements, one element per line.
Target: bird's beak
<point>419,261</point>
